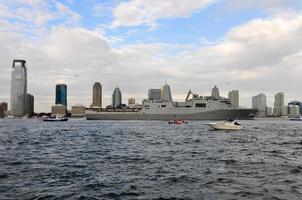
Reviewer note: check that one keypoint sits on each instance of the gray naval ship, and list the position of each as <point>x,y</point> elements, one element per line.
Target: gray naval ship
<point>194,107</point>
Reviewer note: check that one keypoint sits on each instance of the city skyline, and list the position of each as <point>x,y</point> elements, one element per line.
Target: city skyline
<point>246,46</point>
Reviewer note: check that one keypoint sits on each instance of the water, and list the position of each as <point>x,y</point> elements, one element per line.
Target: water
<point>83,159</point>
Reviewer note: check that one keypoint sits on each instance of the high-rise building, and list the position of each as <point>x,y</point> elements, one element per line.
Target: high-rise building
<point>234,98</point>
<point>166,93</point>
<point>215,92</point>
<point>61,94</point>
<point>97,95</point>
<point>18,88</point>
<point>131,101</point>
<point>30,104</point>
<point>154,94</point>
<point>279,104</point>
<point>259,103</point>
<point>3,109</point>
<point>116,98</point>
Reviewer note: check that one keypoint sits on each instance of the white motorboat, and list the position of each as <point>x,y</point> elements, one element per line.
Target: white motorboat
<point>226,125</point>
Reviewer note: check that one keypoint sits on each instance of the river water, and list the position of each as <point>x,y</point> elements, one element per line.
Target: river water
<point>82,159</point>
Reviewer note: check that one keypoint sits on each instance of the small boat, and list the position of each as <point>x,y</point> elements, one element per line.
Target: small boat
<point>55,119</point>
<point>177,121</point>
<point>226,125</point>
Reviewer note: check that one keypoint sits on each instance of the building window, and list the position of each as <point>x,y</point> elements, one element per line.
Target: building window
<point>200,105</point>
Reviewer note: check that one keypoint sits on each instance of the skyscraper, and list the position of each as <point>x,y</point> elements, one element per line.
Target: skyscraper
<point>259,103</point>
<point>154,94</point>
<point>215,92</point>
<point>61,94</point>
<point>166,93</point>
<point>116,98</point>
<point>279,109</point>
<point>234,98</point>
<point>96,95</point>
<point>18,88</point>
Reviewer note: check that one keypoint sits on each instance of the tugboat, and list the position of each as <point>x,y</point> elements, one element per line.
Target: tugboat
<point>56,118</point>
<point>226,125</point>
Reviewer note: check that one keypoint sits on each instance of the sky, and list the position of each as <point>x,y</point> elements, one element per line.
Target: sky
<point>254,46</point>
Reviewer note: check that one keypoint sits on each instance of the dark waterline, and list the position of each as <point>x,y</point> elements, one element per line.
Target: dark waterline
<point>82,159</point>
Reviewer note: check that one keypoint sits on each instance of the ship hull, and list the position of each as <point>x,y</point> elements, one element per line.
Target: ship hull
<point>243,114</point>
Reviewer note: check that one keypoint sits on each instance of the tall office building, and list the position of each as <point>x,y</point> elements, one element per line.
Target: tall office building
<point>166,93</point>
<point>18,88</point>
<point>61,94</point>
<point>30,104</point>
<point>96,95</point>
<point>154,94</point>
<point>234,98</point>
<point>279,104</point>
<point>3,109</point>
<point>259,103</point>
<point>215,92</point>
<point>116,98</point>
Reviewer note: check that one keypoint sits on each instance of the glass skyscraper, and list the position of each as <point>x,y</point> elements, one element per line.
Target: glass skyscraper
<point>116,98</point>
<point>18,88</point>
<point>61,94</point>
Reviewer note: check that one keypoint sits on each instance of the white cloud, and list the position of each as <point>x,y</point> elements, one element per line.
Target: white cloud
<point>138,12</point>
<point>268,5</point>
<point>37,13</point>
<point>65,11</point>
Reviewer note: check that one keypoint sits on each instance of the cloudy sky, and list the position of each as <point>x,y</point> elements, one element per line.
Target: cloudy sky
<point>253,45</point>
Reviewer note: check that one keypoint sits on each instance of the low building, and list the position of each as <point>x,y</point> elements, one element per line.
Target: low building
<point>78,111</point>
<point>30,104</point>
<point>284,111</point>
<point>58,109</point>
<point>294,111</point>
<point>269,111</point>
<point>3,109</point>
<point>131,101</point>
<point>296,103</point>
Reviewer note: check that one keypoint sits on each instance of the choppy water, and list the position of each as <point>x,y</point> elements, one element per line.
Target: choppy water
<point>83,159</point>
